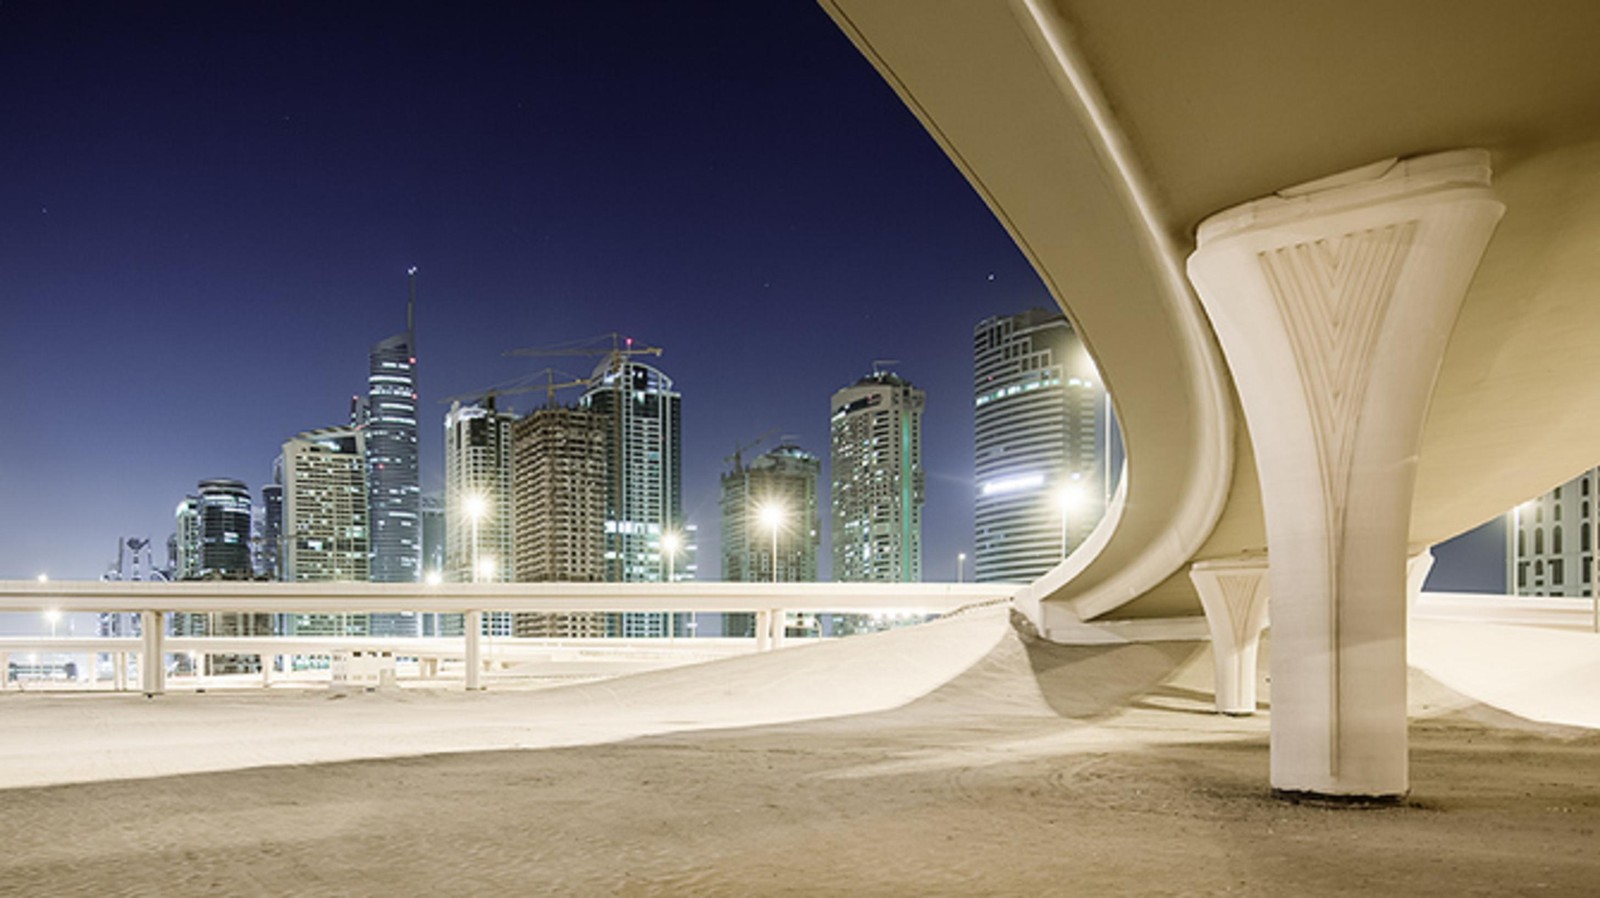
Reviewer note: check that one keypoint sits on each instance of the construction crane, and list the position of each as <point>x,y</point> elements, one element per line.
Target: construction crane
<point>737,458</point>
<point>621,348</point>
<point>524,384</point>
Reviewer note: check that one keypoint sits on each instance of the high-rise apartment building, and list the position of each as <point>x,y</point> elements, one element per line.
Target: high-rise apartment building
<point>224,507</point>
<point>480,511</point>
<point>184,546</point>
<point>559,481</point>
<point>770,516</point>
<point>393,486</point>
<point>326,536</point>
<point>433,535</point>
<point>1550,543</point>
<point>644,470</point>
<point>781,484</point>
<point>1045,454</point>
<point>271,566</point>
<point>878,482</point>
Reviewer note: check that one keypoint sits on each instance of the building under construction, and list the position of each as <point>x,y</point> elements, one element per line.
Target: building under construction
<point>559,482</point>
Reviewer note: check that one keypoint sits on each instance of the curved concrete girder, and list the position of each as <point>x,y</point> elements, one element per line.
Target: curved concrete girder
<point>1076,210</point>
<point>1222,105</point>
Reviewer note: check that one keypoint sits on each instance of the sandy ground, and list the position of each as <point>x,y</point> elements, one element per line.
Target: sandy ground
<point>1039,770</point>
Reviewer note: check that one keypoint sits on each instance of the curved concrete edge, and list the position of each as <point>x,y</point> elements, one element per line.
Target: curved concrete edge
<point>1538,673</point>
<point>1195,511</point>
<point>65,738</point>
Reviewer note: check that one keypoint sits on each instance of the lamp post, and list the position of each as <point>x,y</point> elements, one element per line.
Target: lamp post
<point>669,551</point>
<point>1071,496</point>
<point>961,563</point>
<point>475,508</point>
<point>772,515</point>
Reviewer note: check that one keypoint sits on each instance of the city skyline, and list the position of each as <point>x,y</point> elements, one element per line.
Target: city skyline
<point>787,217</point>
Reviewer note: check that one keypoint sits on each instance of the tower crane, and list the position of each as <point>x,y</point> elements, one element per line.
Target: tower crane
<point>737,458</point>
<point>621,348</point>
<point>524,384</point>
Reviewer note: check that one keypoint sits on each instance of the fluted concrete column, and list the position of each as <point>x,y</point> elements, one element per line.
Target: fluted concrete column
<point>473,626</point>
<point>152,651</point>
<point>1333,302</point>
<point>1234,593</point>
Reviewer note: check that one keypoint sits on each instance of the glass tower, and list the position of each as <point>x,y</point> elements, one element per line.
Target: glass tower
<point>1046,456</point>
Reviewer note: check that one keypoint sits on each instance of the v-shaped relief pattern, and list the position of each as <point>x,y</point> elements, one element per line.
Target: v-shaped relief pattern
<point>1334,294</point>
<point>1240,593</point>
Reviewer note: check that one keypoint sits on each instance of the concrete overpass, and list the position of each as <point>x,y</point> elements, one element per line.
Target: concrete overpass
<point>153,601</point>
<point>1336,264</point>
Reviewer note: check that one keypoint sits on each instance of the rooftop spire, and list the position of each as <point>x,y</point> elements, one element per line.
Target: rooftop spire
<point>411,304</point>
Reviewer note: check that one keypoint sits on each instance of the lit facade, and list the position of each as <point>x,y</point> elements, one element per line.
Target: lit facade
<point>878,481</point>
<point>643,440</point>
<point>477,469</point>
<point>325,519</point>
<point>786,479</point>
<point>1550,543</point>
<point>394,491</point>
<point>1043,456</point>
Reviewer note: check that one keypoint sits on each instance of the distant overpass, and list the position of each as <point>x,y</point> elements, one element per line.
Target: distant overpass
<point>154,601</point>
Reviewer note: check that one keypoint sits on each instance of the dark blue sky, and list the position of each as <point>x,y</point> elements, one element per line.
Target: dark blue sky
<point>207,211</point>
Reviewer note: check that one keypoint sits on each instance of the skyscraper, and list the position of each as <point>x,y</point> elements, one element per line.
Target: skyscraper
<point>185,542</point>
<point>785,481</point>
<point>644,469</point>
<point>559,468</point>
<point>325,519</point>
<point>776,490</point>
<point>1044,457</point>
<point>480,513</point>
<point>878,482</point>
<point>224,508</point>
<point>393,487</point>
<point>272,524</point>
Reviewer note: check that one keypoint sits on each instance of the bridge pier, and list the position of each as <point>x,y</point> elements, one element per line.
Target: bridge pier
<point>152,637</point>
<point>1333,302</point>
<point>763,630</point>
<point>473,633</point>
<point>1234,594</point>
<point>780,628</point>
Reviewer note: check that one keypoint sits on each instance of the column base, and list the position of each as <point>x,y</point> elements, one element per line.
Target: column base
<point>1331,800</point>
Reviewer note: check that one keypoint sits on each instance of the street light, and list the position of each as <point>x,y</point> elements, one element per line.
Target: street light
<point>1071,497</point>
<point>772,515</point>
<point>961,563</point>
<point>475,508</point>
<point>669,550</point>
<point>43,578</point>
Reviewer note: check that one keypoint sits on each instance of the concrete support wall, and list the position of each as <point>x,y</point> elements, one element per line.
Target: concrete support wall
<point>1333,302</point>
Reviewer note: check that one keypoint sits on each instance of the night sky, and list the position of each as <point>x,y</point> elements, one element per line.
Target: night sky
<point>207,211</point>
